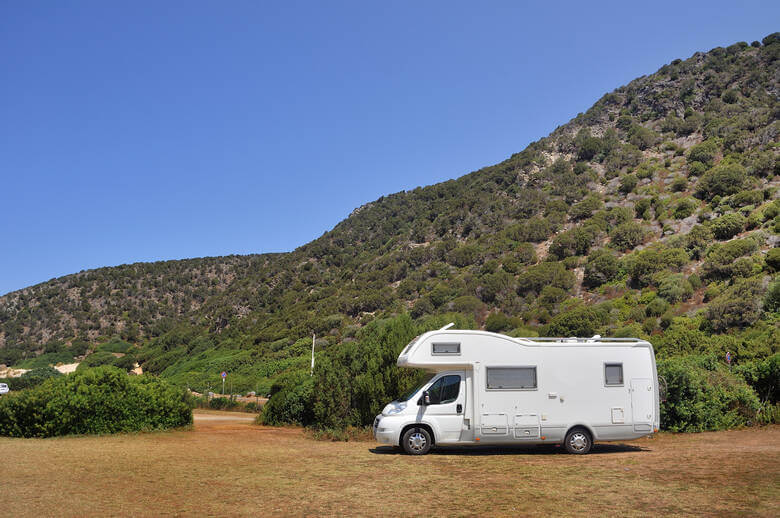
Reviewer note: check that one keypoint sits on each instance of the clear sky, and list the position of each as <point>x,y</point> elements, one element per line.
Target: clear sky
<point>149,130</point>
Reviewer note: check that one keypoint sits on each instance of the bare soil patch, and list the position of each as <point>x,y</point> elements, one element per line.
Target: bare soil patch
<point>225,465</point>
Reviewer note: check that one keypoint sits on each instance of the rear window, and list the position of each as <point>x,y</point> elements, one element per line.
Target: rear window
<point>511,378</point>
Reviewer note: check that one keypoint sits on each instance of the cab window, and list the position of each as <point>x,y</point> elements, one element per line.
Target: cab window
<point>445,390</point>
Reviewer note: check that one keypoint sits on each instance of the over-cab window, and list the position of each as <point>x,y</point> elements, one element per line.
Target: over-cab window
<point>448,348</point>
<point>613,374</point>
<point>445,389</point>
<point>511,378</point>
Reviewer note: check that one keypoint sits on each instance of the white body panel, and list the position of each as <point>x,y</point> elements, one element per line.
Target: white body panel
<point>570,389</point>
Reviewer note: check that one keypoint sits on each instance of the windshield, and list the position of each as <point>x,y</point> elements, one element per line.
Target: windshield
<point>416,389</point>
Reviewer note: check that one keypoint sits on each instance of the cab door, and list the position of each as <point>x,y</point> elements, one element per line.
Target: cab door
<point>447,402</point>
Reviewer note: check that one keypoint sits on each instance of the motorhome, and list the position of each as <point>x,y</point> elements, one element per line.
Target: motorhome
<point>488,388</point>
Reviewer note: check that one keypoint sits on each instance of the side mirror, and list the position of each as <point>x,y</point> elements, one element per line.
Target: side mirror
<point>426,398</point>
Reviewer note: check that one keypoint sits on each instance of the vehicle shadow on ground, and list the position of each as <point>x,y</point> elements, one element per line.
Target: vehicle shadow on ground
<point>544,449</point>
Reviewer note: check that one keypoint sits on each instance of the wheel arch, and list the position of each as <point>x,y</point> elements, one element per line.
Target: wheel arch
<point>427,426</point>
<point>585,427</point>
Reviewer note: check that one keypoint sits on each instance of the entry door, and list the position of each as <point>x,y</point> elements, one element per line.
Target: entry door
<point>642,402</point>
<point>448,401</point>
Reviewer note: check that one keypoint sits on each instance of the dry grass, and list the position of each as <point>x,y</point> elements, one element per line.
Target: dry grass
<point>232,467</point>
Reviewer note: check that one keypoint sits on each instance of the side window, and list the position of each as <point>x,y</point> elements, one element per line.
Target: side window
<point>613,374</point>
<point>511,378</point>
<point>445,390</point>
<point>449,348</point>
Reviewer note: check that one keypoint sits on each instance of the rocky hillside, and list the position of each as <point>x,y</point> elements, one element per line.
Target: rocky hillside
<point>659,203</point>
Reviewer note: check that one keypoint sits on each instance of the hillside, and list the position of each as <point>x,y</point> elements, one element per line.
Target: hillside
<point>656,213</point>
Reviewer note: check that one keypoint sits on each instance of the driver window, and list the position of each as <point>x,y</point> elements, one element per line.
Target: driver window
<point>445,390</point>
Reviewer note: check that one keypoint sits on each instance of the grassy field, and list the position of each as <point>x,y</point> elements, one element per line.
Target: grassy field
<point>227,466</point>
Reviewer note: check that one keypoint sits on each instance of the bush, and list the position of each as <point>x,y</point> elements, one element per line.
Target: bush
<point>685,208</point>
<point>31,378</point>
<point>497,322</point>
<point>720,259</point>
<point>290,401</point>
<point>679,184</point>
<point>576,241</point>
<point>764,376</point>
<point>674,288</point>
<point>703,152</point>
<point>738,306</point>
<point>728,225</point>
<point>586,207</point>
<point>580,321</point>
<point>703,395</point>
<point>602,267</point>
<point>96,401</point>
<point>545,274</point>
<point>721,180</point>
<point>628,183</point>
<point>773,259</point>
<point>96,360</point>
<point>627,235</point>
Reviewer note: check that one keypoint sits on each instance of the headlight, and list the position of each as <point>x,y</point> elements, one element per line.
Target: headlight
<point>396,409</point>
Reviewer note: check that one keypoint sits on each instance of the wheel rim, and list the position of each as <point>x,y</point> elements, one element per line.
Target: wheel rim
<point>578,441</point>
<point>417,441</point>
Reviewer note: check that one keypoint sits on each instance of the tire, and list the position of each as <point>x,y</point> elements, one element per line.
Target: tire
<point>578,441</point>
<point>416,441</point>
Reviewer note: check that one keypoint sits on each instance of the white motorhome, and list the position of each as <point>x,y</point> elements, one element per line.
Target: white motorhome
<point>487,388</point>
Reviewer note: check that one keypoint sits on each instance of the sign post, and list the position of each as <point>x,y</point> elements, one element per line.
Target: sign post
<point>224,375</point>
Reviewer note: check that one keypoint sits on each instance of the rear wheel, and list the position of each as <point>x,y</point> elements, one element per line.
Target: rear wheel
<point>416,441</point>
<point>578,441</point>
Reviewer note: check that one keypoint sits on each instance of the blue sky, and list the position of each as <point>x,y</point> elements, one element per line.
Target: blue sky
<point>141,131</point>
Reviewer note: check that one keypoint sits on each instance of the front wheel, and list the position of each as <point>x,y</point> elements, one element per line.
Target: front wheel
<point>578,441</point>
<point>416,441</point>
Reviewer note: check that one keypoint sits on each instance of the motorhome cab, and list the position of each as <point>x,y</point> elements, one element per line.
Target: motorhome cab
<point>487,388</point>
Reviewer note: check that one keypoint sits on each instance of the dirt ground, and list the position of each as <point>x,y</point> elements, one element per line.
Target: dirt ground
<point>227,466</point>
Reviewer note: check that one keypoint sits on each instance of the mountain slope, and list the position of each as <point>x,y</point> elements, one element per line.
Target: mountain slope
<point>658,202</point>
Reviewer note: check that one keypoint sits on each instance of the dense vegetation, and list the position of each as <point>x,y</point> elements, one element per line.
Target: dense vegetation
<point>96,401</point>
<point>656,214</point>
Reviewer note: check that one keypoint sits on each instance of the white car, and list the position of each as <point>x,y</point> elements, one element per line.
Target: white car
<point>3,388</point>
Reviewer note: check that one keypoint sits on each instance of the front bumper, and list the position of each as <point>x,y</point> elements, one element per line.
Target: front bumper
<point>382,434</point>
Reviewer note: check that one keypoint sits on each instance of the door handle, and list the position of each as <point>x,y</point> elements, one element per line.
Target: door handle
<point>459,408</point>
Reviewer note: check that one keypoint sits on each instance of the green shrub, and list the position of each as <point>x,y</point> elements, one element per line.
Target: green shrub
<point>656,308</point>
<point>773,259</point>
<point>728,225</point>
<point>31,378</point>
<point>497,322</point>
<point>628,183</point>
<point>545,274</point>
<point>764,376</point>
<point>675,288</point>
<point>738,306</point>
<point>685,208</point>
<point>96,360</point>
<point>602,267</point>
<point>721,180</point>
<point>719,261</point>
<point>679,184</point>
<point>772,298</point>
<point>95,401</point>
<point>579,321</point>
<point>585,208</point>
<point>290,401</point>
<point>627,235</point>
<point>703,395</point>
<point>703,152</point>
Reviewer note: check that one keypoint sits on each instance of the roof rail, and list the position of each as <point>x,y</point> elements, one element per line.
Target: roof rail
<point>573,339</point>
